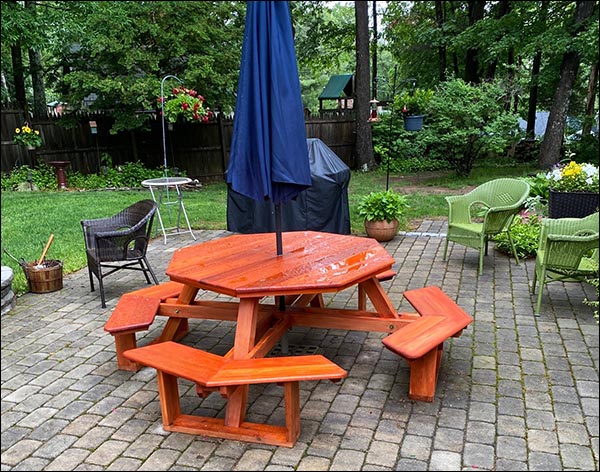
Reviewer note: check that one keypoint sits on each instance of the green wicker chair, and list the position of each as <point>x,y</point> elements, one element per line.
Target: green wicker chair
<point>567,252</point>
<point>485,211</point>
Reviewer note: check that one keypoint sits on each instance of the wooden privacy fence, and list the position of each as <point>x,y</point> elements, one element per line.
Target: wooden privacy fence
<point>200,149</point>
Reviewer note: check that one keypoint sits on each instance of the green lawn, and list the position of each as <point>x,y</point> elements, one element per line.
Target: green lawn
<point>28,218</point>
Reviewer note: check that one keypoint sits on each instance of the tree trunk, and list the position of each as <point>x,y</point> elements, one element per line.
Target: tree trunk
<point>533,94</point>
<point>550,149</point>
<point>439,16</point>
<point>533,83</point>
<point>40,110</point>
<point>476,9</point>
<point>589,101</point>
<point>365,159</point>
<point>18,77</point>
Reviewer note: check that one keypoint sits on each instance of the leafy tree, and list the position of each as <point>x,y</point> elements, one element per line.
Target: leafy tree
<point>551,145</point>
<point>113,55</point>
<point>521,42</point>
<point>467,121</point>
<point>23,29</point>
<point>325,45</point>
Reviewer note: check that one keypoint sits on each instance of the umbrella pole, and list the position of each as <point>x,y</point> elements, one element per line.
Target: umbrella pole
<point>279,253</point>
<point>278,229</point>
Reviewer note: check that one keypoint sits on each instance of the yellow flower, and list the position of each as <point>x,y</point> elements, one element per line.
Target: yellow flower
<point>572,170</point>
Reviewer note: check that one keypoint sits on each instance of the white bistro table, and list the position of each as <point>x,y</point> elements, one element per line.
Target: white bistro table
<point>159,188</point>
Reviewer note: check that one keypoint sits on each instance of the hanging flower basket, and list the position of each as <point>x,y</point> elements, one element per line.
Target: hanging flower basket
<point>413,122</point>
<point>27,137</point>
<point>572,204</point>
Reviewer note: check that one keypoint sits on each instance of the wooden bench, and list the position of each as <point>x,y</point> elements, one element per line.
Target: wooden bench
<point>362,297</point>
<point>421,341</point>
<point>172,360</point>
<point>135,312</point>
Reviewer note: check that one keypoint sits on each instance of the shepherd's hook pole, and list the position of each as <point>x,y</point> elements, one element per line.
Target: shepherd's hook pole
<point>162,109</point>
<point>387,178</point>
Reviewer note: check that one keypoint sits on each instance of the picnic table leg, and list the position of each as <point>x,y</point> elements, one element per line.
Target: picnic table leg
<point>177,328</point>
<point>292,411</point>
<point>373,289</point>
<point>245,338</point>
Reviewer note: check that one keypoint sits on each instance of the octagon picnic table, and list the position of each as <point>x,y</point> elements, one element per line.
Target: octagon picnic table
<point>247,268</point>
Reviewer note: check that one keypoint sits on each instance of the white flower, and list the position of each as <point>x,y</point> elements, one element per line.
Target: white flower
<point>555,175</point>
<point>589,169</point>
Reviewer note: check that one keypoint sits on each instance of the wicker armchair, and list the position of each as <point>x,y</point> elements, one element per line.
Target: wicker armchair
<point>119,242</point>
<point>495,203</point>
<point>567,252</point>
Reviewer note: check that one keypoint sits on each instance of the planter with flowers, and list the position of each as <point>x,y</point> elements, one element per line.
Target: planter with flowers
<point>573,190</point>
<point>414,105</point>
<point>28,137</point>
<point>186,105</point>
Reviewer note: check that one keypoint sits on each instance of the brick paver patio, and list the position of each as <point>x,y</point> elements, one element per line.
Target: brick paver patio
<point>515,392</point>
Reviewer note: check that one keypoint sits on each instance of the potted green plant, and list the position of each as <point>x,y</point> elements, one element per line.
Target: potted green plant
<point>382,211</point>
<point>414,105</point>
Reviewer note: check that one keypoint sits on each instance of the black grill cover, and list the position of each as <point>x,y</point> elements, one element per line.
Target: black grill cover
<point>322,207</point>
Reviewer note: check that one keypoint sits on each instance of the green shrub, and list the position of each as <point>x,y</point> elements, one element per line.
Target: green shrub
<point>406,151</point>
<point>468,122</point>
<point>584,149</point>
<point>43,177</point>
<point>525,233</point>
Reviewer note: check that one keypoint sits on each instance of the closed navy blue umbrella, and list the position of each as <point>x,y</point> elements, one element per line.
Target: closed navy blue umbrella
<point>269,155</point>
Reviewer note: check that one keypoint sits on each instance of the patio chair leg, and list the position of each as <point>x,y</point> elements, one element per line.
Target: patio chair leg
<point>445,249</point>
<point>91,278</point>
<point>149,269</point>
<point>481,251</point>
<point>101,284</point>
<point>540,292</point>
<point>512,246</point>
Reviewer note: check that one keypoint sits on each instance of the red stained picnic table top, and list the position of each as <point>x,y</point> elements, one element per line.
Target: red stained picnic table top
<point>247,265</point>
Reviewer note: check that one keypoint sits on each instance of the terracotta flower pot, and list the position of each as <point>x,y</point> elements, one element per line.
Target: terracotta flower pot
<point>381,230</point>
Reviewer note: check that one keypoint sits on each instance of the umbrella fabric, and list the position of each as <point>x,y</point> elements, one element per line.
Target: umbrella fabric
<point>269,157</point>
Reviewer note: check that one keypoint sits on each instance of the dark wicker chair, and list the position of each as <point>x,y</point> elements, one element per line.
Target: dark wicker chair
<point>119,242</point>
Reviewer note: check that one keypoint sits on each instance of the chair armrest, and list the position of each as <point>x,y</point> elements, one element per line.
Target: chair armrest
<point>573,237</point>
